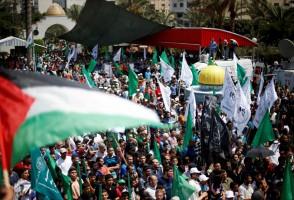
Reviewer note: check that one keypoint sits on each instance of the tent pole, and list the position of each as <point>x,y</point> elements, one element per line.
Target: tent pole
<point>199,51</point>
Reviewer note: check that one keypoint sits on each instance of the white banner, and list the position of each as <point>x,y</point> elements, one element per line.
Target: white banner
<point>228,103</point>
<point>165,93</point>
<point>247,90</point>
<point>266,101</point>
<point>167,71</point>
<point>261,83</point>
<point>186,73</point>
<point>192,104</point>
<point>116,58</point>
<point>242,112</point>
<point>108,70</point>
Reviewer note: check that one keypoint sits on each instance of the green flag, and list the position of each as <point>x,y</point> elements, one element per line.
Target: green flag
<point>106,55</point>
<point>288,183</point>
<point>41,178</point>
<point>156,152</point>
<point>172,61</point>
<point>100,192</point>
<point>78,167</point>
<point>1,176</point>
<point>52,166</point>
<point>88,77</point>
<point>129,187</point>
<point>164,57</point>
<point>213,91</point>
<point>123,55</point>
<point>180,186</point>
<point>264,132</point>
<point>92,65</point>
<point>241,73</point>
<point>154,57</point>
<point>210,61</point>
<point>132,58</point>
<point>114,138</point>
<point>118,69</point>
<point>65,180</point>
<point>195,75</point>
<point>66,184</point>
<point>133,82</point>
<point>188,130</point>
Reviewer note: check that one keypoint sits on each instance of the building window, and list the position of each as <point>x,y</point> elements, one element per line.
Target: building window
<point>286,4</point>
<point>163,5</point>
<point>179,15</point>
<point>276,4</point>
<point>181,5</point>
<point>175,5</point>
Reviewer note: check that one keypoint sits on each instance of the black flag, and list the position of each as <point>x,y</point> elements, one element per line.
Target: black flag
<point>219,138</point>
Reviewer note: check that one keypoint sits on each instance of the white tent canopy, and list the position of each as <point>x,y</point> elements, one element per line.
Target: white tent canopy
<point>14,41</point>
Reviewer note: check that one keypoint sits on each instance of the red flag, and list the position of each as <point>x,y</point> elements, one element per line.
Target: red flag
<point>13,110</point>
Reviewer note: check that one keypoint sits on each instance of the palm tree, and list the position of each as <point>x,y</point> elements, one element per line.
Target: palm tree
<point>195,14</point>
<point>208,12</point>
<point>10,21</point>
<point>271,23</point>
<point>164,18</point>
<point>74,12</point>
<point>146,10</point>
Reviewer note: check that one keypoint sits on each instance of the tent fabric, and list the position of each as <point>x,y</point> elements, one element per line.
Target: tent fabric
<point>14,41</point>
<point>193,38</point>
<point>104,23</point>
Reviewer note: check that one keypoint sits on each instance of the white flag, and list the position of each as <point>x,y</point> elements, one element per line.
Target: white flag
<point>247,90</point>
<point>242,111</point>
<point>132,66</point>
<point>192,104</point>
<point>108,70</point>
<point>117,56</point>
<point>29,40</point>
<point>271,93</point>
<point>167,71</point>
<point>266,101</point>
<point>95,52</point>
<point>165,93</point>
<point>261,83</point>
<point>228,103</point>
<point>186,73</point>
<point>71,54</point>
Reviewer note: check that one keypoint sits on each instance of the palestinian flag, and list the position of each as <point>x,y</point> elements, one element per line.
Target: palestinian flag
<point>37,110</point>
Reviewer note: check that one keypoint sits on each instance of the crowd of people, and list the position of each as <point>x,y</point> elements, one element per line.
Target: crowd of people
<point>121,163</point>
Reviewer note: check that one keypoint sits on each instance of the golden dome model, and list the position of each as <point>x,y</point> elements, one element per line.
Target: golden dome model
<point>212,75</point>
<point>55,10</point>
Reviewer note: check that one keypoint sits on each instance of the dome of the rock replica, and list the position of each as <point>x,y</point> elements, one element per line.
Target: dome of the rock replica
<point>212,75</point>
<point>55,10</point>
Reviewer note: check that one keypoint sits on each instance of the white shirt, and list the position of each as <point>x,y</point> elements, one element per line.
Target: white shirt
<point>246,191</point>
<point>197,187</point>
<point>64,165</point>
<point>151,192</point>
<point>22,190</point>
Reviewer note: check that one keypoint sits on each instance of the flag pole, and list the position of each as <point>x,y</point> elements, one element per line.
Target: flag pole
<point>4,160</point>
<point>180,78</point>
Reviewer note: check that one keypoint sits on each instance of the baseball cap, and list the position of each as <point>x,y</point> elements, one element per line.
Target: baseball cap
<point>121,181</point>
<point>63,150</point>
<point>202,177</point>
<point>194,170</point>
